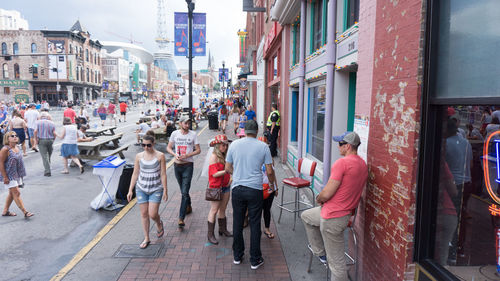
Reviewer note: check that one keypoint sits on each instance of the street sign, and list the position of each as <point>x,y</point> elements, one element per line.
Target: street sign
<point>252,78</point>
<point>204,71</point>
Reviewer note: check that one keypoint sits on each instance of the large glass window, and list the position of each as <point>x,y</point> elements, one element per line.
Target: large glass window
<point>5,71</point>
<point>467,49</point>
<point>317,25</point>
<point>351,13</point>
<point>4,48</point>
<point>33,48</point>
<point>15,49</point>
<point>296,44</point>
<point>316,121</point>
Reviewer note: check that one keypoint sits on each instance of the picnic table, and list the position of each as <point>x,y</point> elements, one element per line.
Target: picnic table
<point>96,149</point>
<point>161,135</point>
<point>101,131</point>
<point>146,119</point>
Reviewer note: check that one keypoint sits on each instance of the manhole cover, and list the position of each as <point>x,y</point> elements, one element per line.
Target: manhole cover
<point>133,251</point>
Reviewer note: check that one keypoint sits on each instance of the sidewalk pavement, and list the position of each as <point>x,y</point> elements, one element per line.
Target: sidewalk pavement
<point>187,255</point>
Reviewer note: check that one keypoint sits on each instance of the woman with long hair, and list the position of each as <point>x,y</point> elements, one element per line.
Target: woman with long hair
<point>218,178</point>
<point>69,147</point>
<point>150,180</point>
<point>12,172</point>
<point>223,117</point>
<point>102,113</point>
<point>19,126</point>
<point>235,116</point>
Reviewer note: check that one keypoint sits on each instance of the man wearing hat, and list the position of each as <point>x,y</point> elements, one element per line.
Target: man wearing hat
<point>325,224</point>
<point>183,145</point>
<point>244,161</point>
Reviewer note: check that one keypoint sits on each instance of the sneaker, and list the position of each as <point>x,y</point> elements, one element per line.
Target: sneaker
<point>238,261</point>
<point>322,259</point>
<point>181,223</point>
<point>257,264</point>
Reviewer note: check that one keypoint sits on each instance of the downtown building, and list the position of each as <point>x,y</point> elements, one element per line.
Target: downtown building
<point>403,75</point>
<point>50,65</point>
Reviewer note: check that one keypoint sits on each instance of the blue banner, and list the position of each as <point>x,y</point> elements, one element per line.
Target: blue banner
<point>181,34</point>
<point>199,34</point>
<point>223,74</point>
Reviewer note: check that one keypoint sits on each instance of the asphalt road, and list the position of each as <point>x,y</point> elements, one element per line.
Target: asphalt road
<point>37,248</point>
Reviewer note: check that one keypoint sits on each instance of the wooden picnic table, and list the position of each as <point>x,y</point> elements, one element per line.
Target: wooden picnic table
<point>160,135</point>
<point>146,119</point>
<point>95,150</point>
<point>101,131</point>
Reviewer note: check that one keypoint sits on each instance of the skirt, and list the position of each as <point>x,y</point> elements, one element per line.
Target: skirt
<point>103,116</point>
<point>68,150</point>
<point>20,134</point>
<point>235,117</point>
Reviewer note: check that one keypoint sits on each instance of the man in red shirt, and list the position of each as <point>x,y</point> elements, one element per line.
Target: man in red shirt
<point>325,224</point>
<point>112,113</point>
<point>69,112</point>
<point>123,111</point>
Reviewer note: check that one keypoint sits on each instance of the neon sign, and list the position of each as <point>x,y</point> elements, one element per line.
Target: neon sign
<point>494,208</point>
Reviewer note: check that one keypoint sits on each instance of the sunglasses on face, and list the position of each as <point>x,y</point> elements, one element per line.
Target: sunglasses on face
<point>146,144</point>
<point>342,143</point>
<point>13,136</point>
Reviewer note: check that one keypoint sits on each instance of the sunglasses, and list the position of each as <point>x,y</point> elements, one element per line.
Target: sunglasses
<point>13,136</point>
<point>146,144</point>
<point>342,143</point>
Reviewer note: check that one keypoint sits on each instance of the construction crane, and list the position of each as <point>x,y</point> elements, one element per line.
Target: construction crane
<point>129,39</point>
<point>161,26</point>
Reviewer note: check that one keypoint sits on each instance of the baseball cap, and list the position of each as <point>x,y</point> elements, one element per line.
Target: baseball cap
<point>184,118</point>
<point>349,137</point>
<point>251,127</point>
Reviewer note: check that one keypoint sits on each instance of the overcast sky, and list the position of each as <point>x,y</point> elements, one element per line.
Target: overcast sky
<point>137,18</point>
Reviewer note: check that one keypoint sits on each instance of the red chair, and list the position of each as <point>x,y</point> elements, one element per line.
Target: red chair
<point>306,167</point>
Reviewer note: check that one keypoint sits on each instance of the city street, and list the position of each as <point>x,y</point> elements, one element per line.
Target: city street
<point>64,222</point>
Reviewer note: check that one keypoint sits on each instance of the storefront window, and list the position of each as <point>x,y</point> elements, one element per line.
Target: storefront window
<point>316,131</point>
<point>465,226</point>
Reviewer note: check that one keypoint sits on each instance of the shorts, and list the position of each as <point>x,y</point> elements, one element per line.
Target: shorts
<point>13,183</point>
<point>226,189</point>
<point>31,133</point>
<point>102,116</point>
<point>223,117</point>
<point>144,197</point>
<point>123,113</point>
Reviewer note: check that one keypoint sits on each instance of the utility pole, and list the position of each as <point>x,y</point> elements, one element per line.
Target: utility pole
<point>190,4</point>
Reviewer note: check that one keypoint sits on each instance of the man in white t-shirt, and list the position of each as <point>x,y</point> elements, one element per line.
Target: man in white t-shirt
<point>183,145</point>
<point>31,115</point>
<point>141,131</point>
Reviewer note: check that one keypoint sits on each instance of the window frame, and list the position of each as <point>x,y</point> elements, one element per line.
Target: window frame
<point>5,50</point>
<point>311,109</point>
<point>5,71</point>
<point>347,17</point>
<point>34,48</point>
<point>17,73</point>
<point>15,48</point>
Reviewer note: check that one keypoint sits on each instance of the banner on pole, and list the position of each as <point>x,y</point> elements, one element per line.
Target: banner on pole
<point>223,74</point>
<point>181,31</point>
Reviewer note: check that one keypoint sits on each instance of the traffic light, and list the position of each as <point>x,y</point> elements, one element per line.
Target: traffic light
<point>35,71</point>
<point>31,69</point>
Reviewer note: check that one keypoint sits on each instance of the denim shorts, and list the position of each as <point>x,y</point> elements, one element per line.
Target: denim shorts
<point>143,197</point>
<point>226,189</point>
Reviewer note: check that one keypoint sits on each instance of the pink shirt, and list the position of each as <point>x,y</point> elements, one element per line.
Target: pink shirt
<point>352,173</point>
<point>68,112</point>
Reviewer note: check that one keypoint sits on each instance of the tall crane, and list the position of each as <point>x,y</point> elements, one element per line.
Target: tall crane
<point>129,39</point>
<point>161,26</point>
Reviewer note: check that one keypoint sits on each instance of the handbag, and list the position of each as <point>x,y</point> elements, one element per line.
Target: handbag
<point>213,194</point>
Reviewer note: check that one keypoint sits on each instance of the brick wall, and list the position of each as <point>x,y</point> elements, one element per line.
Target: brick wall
<point>388,215</point>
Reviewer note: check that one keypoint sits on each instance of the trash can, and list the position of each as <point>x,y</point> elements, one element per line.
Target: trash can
<point>124,183</point>
<point>213,120</point>
<point>109,171</point>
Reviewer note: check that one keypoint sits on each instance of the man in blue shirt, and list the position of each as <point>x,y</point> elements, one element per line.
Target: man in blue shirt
<point>244,161</point>
<point>250,113</point>
<point>3,113</point>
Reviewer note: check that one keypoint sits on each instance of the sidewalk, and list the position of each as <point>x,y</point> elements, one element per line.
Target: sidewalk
<point>186,255</point>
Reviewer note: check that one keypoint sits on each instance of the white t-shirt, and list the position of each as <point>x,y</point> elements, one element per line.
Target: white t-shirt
<point>70,134</point>
<point>155,125</point>
<point>184,144</point>
<point>144,127</point>
<point>31,116</point>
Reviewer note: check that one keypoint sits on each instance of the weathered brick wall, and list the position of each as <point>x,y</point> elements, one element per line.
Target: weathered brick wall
<point>389,203</point>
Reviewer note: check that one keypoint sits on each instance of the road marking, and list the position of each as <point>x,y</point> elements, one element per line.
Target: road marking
<point>107,228</point>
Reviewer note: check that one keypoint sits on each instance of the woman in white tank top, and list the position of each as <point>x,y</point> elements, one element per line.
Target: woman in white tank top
<point>69,148</point>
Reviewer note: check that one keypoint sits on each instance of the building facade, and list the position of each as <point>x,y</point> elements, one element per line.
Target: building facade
<point>12,20</point>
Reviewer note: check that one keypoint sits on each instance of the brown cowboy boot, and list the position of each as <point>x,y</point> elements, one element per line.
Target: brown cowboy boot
<point>223,228</point>
<point>210,235</point>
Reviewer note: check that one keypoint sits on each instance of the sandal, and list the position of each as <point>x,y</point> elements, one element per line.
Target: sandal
<point>144,244</point>
<point>269,235</point>
<point>28,214</point>
<point>9,214</point>
<point>64,172</point>
<point>82,170</point>
<point>160,233</point>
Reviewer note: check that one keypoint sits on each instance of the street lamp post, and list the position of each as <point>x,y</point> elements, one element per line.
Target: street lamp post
<point>190,4</point>
<point>223,79</point>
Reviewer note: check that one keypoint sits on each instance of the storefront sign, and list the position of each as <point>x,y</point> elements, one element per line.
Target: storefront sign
<point>488,159</point>
<point>270,36</point>
<point>21,95</point>
<point>14,83</point>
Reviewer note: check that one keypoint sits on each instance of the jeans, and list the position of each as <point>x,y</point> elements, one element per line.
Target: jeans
<point>326,237</point>
<point>45,148</point>
<point>184,174</point>
<point>247,198</point>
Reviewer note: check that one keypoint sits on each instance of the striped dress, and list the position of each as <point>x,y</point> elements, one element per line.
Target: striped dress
<point>149,179</point>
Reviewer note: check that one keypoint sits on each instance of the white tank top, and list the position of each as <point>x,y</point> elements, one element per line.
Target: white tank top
<point>71,134</point>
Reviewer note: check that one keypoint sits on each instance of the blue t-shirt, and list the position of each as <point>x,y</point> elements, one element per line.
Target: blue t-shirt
<point>250,114</point>
<point>247,156</point>
<point>3,115</point>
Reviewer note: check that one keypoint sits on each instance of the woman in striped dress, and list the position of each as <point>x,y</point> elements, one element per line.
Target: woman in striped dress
<point>150,180</point>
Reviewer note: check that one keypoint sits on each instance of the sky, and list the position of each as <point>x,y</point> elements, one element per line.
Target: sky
<point>105,19</point>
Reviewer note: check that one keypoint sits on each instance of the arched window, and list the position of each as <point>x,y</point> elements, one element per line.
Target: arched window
<point>5,70</point>
<point>33,48</point>
<point>17,75</point>
<point>86,54</point>
<point>15,49</point>
<point>4,48</point>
